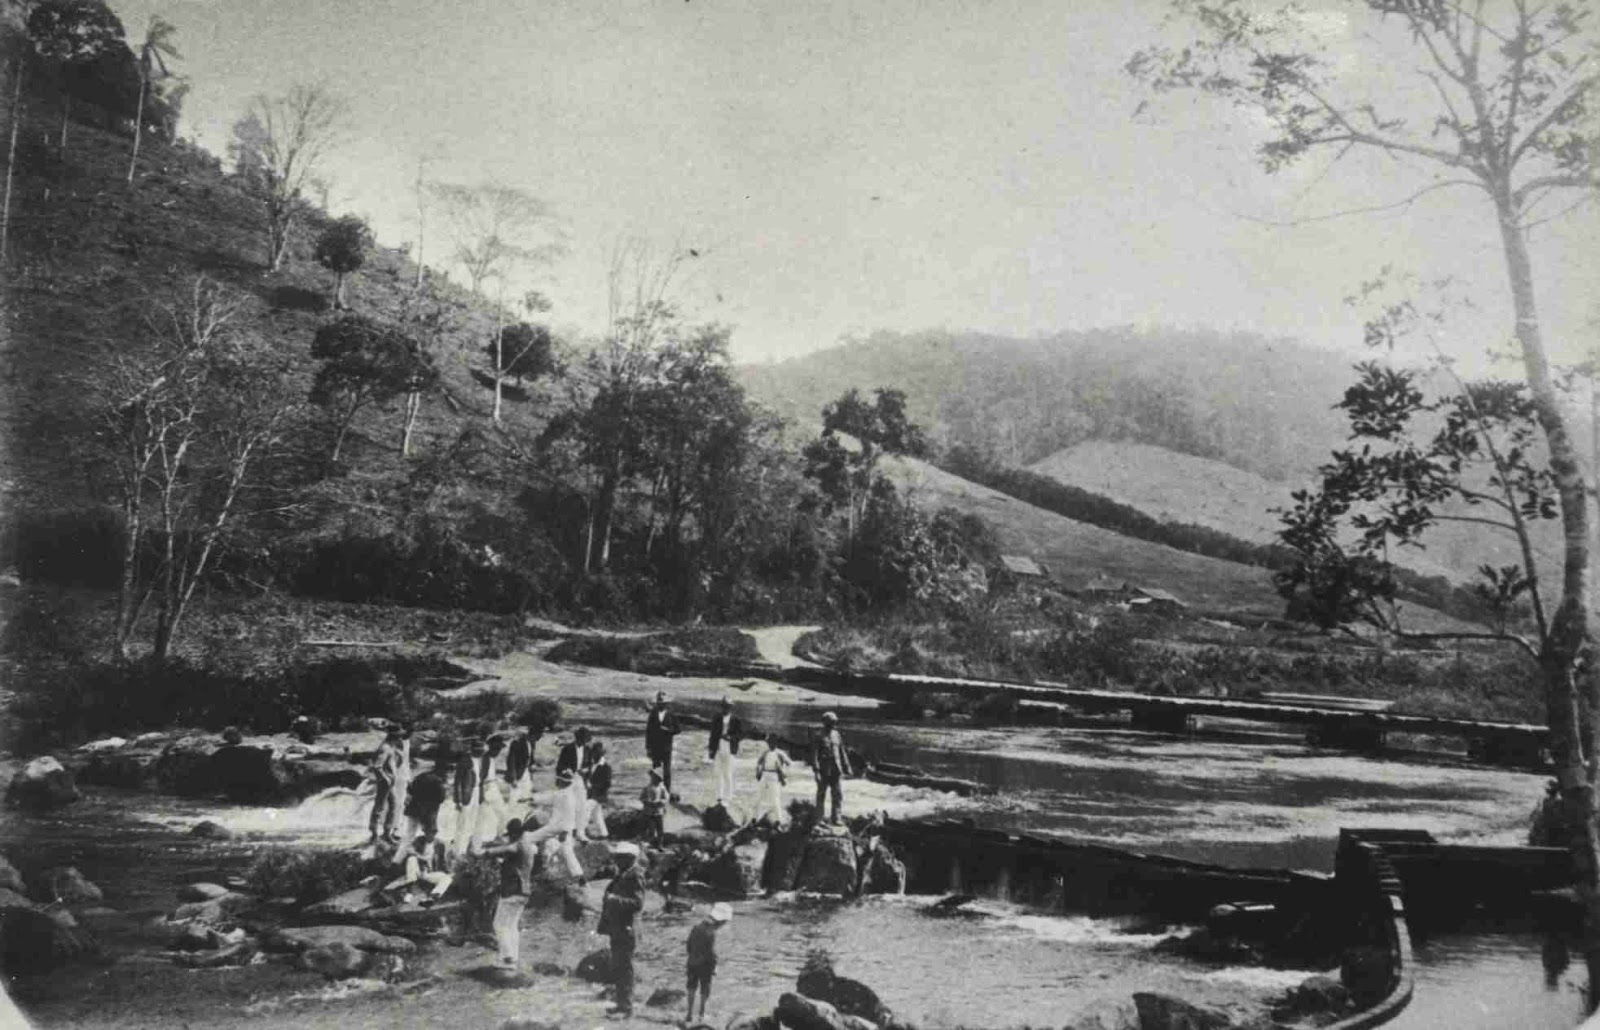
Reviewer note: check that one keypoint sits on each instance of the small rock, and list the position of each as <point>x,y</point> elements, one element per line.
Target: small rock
<point>209,830</point>
<point>745,1021</point>
<point>238,954</point>
<point>201,891</point>
<point>718,819</point>
<point>335,961</point>
<point>595,967</point>
<point>10,879</point>
<point>665,997</point>
<point>106,744</point>
<point>68,885</point>
<point>42,785</point>
<point>548,969</point>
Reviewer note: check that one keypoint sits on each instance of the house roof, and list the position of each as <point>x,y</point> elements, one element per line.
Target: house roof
<point>1157,594</point>
<point>1105,583</point>
<point>1022,566</point>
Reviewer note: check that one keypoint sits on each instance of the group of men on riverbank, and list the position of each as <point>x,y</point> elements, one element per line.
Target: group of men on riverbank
<point>492,775</point>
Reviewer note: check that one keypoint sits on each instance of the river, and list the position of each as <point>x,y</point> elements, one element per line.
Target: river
<point>1248,799</point>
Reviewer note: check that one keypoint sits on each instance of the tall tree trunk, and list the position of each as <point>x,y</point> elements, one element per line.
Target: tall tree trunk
<point>11,155</point>
<point>413,406</point>
<point>169,590</point>
<point>128,585</point>
<point>138,126</point>
<point>338,291</point>
<point>66,113</point>
<point>1569,628</point>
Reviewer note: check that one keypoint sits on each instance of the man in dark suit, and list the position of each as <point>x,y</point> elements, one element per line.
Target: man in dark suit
<point>726,731</point>
<point>576,759</point>
<point>660,726</point>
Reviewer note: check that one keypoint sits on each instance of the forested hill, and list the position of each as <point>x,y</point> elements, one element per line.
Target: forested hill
<point>1262,405</point>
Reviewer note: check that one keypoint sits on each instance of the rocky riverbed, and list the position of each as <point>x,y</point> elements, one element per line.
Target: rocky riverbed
<point>994,966</point>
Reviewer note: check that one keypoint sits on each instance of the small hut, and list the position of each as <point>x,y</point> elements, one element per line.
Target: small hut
<point>1018,570</point>
<point>1156,600</point>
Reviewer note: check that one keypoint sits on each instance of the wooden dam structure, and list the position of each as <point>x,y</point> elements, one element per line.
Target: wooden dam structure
<point>1514,745</point>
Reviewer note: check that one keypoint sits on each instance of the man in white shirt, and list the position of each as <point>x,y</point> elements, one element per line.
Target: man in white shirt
<point>772,775</point>
<point>562,826</point>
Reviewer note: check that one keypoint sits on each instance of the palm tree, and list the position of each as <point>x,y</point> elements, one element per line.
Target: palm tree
<point>153,54</point>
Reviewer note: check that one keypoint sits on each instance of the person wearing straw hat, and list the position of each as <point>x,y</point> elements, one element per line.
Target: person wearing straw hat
<point>702,949</point>
<point>623,899</point>
<point>561,829</point>
<point>830,763</point>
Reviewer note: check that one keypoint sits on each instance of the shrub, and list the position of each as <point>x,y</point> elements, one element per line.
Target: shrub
<point>486,706</point>
<point>308,875</point>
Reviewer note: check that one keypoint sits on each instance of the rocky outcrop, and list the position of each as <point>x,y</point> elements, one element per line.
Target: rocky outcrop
<point>1165,1012</point>
<point>819,982</point>
<point>42,785</point>
<point>738,870</point>
<point>67,885</point>
<point>353,902</point>
<point>302,938</point>
<point>129,769</point>
<point>882,872</point>
<point>33,942</point>
<point>718,819</point>
<point>828,864</point>
<point>208,830</point>
<point>745,1021</point>
<point>1105,1016</point>
<point>201,891</point>
<point>1316,996</point>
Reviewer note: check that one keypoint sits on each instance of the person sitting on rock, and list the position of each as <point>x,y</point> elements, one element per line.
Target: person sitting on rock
<point>702,949</point>
<point>830,762</point>
<point>771,777</point>
<point>425,797</point>
<point>560,830</point>
<point>385,779</point>
<point>654,798</point>
<point>592,822</point>
<point>423,861</point>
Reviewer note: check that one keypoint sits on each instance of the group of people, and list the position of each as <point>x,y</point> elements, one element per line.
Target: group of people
<point>492,775</point>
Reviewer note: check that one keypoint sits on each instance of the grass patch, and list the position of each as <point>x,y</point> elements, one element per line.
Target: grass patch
<point>710,648</point>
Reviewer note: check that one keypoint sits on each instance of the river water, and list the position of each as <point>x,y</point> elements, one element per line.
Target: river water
<point>1247,799</point>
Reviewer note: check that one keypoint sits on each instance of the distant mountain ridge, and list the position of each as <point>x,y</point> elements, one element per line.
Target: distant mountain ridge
<point>1257,404</point>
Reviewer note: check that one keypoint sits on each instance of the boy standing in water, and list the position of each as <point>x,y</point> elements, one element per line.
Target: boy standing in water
<point>702,950</point>
<point>654,798</point>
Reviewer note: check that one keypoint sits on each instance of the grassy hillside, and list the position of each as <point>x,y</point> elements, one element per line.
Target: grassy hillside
<point>1183,488</point>
<point>1256,404</point>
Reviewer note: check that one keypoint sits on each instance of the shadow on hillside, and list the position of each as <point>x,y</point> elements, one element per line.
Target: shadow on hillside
<point>295,298</point>
<point>216,261</point>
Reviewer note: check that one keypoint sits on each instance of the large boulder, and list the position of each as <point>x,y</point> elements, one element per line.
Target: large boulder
<point>595,858</point>
<point>10,879</point>
<point>184,766</point>
<point>352,902</point>
<point>1165,1012</point>
<point>745,1021</point>
<point>32,942</point>
<point>882,872</point>
<point>205,829</point>
<point>201,891</point>
<point>718,819</point>
<point>1105,1015</point>
<point>304,777</point>
<point>302,938</point>
<point>627,824</point>
<point>130,769</point>
<point>828,865</point>
<point>42,785</point>
<point>218,911</point>
<point>801,1013</point>
<point>335,961</point>
<point>738,870</point>
<point>784,854</point>
<point>66,884</point>
<point>1316,995</point>
<point>819,982</point>
<point>241,772</point>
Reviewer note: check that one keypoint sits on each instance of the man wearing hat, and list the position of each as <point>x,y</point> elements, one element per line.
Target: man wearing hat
<point>702,948</point>
<point>517,858</point>
<point>726,729</point>
<point>561,828</point>
<point>576,759</point>
<point>468,791</point>
<point>830,762</point>
<point>660,726</point>
<point>624,898</point>
<point>386,778</point>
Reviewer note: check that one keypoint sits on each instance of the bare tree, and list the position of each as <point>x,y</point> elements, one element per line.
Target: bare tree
<point>497,230</point>
<point>1509,88</point>
<point>280,143</point>
<point>152,60</point>
<point>183,424</point>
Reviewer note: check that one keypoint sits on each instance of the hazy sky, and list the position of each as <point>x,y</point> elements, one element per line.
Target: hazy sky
<point>847,166</point>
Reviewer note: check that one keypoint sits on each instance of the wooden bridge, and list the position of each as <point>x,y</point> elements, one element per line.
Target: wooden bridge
<point>1518,745</point>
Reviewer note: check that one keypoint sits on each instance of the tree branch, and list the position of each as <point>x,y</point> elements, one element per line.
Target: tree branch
<point>1551,114</point>
<point>1372,209</point>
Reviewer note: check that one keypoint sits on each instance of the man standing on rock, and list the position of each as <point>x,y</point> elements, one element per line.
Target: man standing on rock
<point>660,726</point>
<point>623,900</point>
<point>772,775</point>
<point>518,856</point>
<point>575,758</point>
<point>519,763</point>
<point>726,729</point>
<point>830,761</point>
<point>385,778</point>
<point>561,828</point>
<point>402,780</point>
